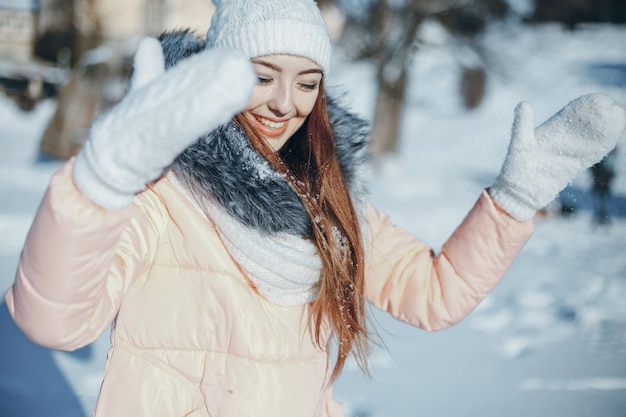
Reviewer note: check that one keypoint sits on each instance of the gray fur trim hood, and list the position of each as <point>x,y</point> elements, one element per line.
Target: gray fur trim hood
<point>225,163</point>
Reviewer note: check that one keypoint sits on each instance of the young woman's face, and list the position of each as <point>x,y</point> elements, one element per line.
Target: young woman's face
<point>283,97</point>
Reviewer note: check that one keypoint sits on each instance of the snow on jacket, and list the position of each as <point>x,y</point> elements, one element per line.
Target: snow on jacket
<point>191,336</point>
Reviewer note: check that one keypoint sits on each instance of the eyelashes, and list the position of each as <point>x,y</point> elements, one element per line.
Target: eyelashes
<point>303,86</point>
<point>309,87</point>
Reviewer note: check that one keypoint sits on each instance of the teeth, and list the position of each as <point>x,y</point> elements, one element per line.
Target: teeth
<point>270,124</point>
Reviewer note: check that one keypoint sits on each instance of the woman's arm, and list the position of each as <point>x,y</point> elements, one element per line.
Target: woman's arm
<point>406,278</point>
<point>77,261</point>
<point>432,291</point>
<point>86,246</point>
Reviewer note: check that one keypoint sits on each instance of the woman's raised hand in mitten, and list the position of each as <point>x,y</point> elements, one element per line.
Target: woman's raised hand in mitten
<point>163,113</point>
<point>541,162</point>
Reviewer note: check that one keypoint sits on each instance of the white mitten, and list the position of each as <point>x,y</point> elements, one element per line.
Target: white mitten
<point>541,162</point>
<point>163,113</point>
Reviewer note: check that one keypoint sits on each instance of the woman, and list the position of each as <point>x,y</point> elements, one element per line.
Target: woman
<point>227,264</point>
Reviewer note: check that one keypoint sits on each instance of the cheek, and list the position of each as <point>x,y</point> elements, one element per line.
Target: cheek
<point>255,99</point>
<point>307,102</point>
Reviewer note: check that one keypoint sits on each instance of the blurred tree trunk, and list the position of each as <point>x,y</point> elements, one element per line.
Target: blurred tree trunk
<point>386,33</point>
<point>388,113</point>
<point>394,34</point>
<point>67,31</point>
<point>95,84</point>
<point>472,86</point>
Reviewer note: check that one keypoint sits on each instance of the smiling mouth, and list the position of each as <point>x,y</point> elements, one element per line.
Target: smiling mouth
<point>269,127</point>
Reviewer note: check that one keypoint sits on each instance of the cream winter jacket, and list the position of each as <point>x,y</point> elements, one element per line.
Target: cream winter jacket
<point>190,335</point>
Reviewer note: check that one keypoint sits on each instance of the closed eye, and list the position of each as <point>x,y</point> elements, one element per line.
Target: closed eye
<point>309,87</point>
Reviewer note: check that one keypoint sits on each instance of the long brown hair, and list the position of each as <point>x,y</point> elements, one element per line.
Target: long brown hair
<point>309,162</point>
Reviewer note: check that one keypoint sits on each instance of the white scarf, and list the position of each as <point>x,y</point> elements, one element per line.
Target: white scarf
<point>285,269</point>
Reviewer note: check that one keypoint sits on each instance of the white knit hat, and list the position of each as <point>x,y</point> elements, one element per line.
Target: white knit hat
<point>266,27</point>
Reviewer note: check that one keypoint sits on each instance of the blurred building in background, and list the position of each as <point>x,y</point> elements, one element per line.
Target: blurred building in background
<point>23,76</point>
<point>17,28</point>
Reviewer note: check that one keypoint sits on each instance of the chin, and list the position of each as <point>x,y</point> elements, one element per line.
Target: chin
<point>276,143</point>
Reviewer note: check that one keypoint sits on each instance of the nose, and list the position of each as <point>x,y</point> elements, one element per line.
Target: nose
<point>281,102</point>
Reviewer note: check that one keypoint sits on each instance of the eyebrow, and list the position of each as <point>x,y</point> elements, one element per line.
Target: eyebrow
<point>279,69</point>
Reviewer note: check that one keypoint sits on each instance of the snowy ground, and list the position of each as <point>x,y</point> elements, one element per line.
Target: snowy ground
<point>550,341</point>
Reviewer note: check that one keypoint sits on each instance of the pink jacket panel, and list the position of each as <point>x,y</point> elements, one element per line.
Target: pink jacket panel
<point>407,279</point>
<point>69,283</point>
<point>191,335</point>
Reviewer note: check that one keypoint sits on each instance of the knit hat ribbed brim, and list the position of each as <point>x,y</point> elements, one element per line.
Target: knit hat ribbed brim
<point>267,27</point>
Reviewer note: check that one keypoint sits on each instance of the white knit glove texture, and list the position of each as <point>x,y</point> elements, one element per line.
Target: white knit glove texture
<point>541,162</point>
<point>163,113</point>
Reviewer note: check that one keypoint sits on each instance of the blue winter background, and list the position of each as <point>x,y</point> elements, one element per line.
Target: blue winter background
<point>550,341</point>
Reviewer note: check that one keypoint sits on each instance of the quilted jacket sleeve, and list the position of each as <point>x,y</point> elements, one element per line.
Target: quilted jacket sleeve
<point>77,261</point>
<point>433,291</point>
